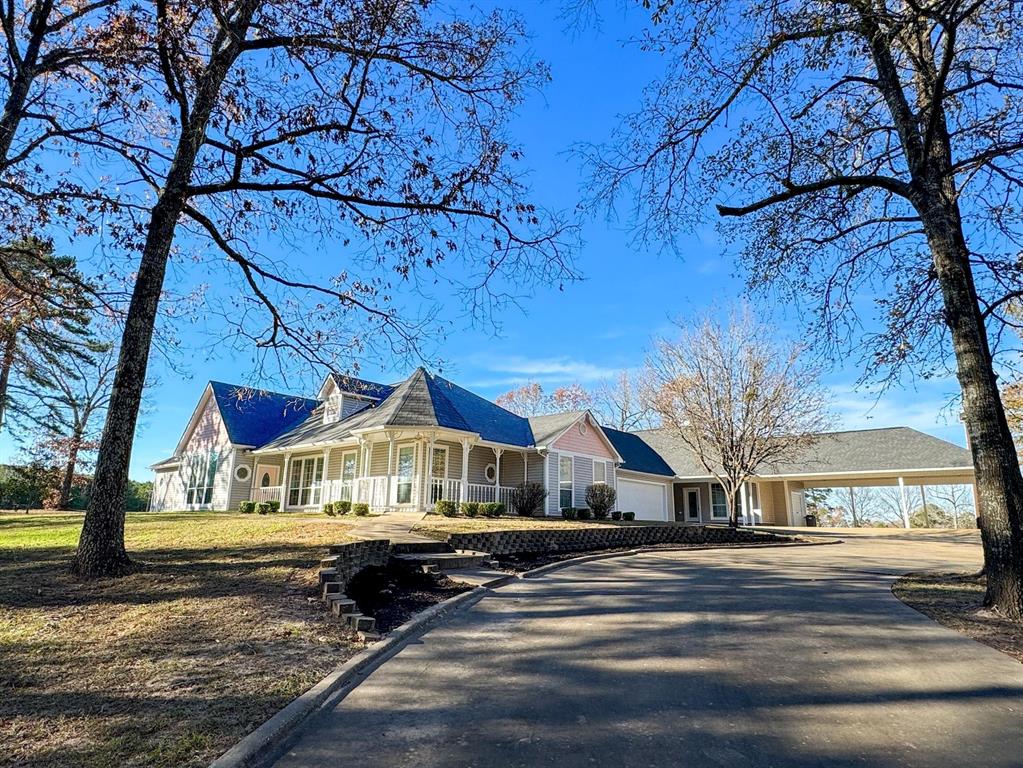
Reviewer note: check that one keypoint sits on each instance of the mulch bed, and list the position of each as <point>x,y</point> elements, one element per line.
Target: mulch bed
<point>955,600</point>
<point>394,595</point>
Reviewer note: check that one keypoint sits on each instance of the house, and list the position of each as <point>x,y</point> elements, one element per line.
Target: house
<point>411,444</point>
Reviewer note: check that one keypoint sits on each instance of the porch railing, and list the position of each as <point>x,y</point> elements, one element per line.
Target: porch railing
<point>268,493</point>
<point>338,490</point>
<point>485,493</point>
<point>443,489</point>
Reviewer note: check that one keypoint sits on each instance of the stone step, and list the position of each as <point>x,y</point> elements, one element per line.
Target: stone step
<point>359,621</point>
<point>445,561</point>
<point>328,574</point>
<point>419,547</point>
<point>331,588</point>
<point>342,606</point>
<point>370,637</point>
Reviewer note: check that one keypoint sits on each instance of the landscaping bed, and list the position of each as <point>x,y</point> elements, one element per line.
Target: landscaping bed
<point>955,600</point>
<point>393,595</point>
<point>170,666</point>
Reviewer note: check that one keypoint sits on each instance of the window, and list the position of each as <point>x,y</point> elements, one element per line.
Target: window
<point>438,471</point>
<point>332,408</point>
<point>306,480</point>
<point>440,463</point>
<point>718,502</point>
<point>349,464</point>
<point>490,473</point>
<point>201,472</point>
<point>264,482</point>
<point>565,481</point>
<point>599,472</point>
<point>406,469</point>
<point>692,503</point>
<point>242,473</point>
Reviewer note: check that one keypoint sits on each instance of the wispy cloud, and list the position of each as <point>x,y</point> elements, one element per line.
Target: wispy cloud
<point>926,411</point>
<point>513,370</point>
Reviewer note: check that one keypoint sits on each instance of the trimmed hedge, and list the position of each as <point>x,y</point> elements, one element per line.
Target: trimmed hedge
<point>446,507</point>
<point>246,507</point>
<point>342,507</point>
<point>470,508</point>
<point>361,509</point>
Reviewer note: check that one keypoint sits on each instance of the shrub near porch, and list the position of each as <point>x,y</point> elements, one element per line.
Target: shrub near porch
<point>168,666</point>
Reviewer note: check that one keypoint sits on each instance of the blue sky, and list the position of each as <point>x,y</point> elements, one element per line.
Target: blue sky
<point>592,328</point>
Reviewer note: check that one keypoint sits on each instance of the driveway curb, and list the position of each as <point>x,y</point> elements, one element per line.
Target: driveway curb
<point>262,743</point>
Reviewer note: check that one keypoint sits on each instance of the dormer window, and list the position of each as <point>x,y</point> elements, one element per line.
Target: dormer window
<point>332,408</point>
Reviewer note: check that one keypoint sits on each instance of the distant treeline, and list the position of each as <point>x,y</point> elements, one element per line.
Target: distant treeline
<point>36,486</point>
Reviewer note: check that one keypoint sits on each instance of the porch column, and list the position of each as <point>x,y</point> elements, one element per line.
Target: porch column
<point>903,503</point>
<point>788,502</point>
<point>497,468</point>
<point>324,483</point>
<point>744,501</point>
<point>923,501</point>
<point>429,474</point>
<point>465,470</point>
<point>390,466</point>
<point>284,482</point>
<point>852,505</point>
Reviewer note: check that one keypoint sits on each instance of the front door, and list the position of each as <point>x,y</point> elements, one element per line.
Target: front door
<point>691,498</point>
<point>406,470</point>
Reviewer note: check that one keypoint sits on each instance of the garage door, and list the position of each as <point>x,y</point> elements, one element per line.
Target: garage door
<point>645,499</point>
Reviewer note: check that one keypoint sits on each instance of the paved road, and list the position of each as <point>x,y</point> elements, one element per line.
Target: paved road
<point>762,657</point>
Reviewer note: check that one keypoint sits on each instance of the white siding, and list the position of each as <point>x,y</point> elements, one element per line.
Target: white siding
<point>552,483</point>
<point>582,478</point>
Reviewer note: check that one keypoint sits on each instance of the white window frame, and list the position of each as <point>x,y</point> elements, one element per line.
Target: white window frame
<point>199,479</point>
<point>714,507</point>
<point>332,408</point>
<point>687,510</point>
<point>242,476</point>
<point>571,479</point>
<point>603,468</point>
<point>313,491</point>
<point>447,462</point>
<point>411,482</point>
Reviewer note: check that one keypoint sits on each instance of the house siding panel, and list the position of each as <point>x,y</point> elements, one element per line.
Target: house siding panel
<point>582,478</point>
<point>552,483</point>
<point>589,443</point>
<point>479,457</point>
<point>168,490</point>
<point>534,468</point>
<point>241,490</point>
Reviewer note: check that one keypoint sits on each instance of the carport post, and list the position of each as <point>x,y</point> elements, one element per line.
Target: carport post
<point>923,500</point>
<point>745,503</point>
<point>852,506</point>
<point>903,503</point>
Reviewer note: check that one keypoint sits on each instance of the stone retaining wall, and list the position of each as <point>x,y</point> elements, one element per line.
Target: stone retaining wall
<point>540,541</point>
<point>353,557</point>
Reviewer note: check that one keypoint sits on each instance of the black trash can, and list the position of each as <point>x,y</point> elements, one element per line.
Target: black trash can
<point>811,521</point>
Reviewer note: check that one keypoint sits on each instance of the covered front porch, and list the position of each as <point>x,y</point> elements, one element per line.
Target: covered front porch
<point>392,470</point>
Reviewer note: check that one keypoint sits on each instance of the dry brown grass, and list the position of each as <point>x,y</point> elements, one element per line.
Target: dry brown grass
<point>168,666</point>
<point>955,600</point>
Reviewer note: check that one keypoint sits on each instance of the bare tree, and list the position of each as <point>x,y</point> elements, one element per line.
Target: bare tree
<point>860,148</point>
<point>377,124</point>
<point>619,404</point>
<point>533,400</point>
<point>958,498</point>
<point>737,399</point>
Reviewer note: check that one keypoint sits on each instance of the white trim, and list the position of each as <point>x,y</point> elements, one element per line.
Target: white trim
<point>685,504</point>
<point>238,469</point>
<point>300,462</point>
<point>593,471</point>
<point>414,445</point>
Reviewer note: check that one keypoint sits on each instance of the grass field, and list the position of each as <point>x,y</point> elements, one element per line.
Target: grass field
<point>168,666</point>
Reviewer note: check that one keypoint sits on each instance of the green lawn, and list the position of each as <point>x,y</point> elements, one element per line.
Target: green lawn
<point>168,666</point>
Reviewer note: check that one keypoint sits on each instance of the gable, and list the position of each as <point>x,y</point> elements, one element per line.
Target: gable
<point>206,430</point>
<point>584,437</point>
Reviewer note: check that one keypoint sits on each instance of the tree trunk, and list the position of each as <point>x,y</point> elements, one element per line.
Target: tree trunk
<point>996,465</point>
<point>101,550</point>
<point>64,501</point>
<point>14,107</point>
<point>9,341</point>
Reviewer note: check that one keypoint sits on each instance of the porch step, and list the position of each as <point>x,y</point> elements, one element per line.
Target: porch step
<point>419,547</point>
<point>445,561</point>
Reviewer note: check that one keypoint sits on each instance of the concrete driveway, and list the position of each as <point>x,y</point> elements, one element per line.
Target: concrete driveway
<point>757,657</point>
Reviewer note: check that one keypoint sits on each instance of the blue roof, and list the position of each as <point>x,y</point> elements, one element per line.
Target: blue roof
<point>361,386</point>
<point>455,406</point>
<point>636,454</point>
<point>254,417</point>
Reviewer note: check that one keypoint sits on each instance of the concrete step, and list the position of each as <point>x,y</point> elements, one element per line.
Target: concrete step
<point>419,547</point>
<point>328,574</point>
<point>445,561</point>
<point>370,637</point>
<point>331,588</point>
<point>343,605</point>
<point>359,622</point>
